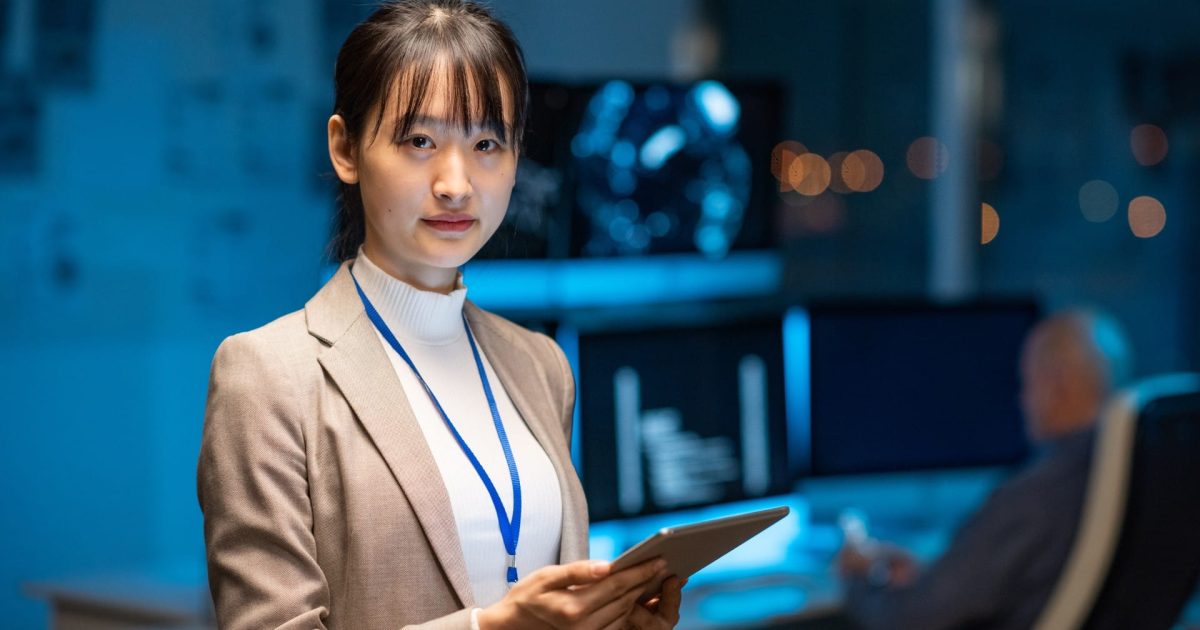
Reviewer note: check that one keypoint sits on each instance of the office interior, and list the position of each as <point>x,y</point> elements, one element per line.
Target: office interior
<point>791,249</point>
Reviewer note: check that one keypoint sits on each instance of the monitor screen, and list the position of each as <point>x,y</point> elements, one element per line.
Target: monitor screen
<point>625,169</point>
<point>681,417</point>
<point>901,388</point>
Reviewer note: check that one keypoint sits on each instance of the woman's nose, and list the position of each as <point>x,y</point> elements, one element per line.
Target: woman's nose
<point>452,183</point>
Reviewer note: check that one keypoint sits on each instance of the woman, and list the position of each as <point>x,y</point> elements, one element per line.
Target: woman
<point>392,455</point>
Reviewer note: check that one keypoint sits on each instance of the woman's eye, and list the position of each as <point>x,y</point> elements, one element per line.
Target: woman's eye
<point>487,146</point>
<point>420,142</point>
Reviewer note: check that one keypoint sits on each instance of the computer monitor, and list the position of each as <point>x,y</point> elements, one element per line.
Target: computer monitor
<point>680,417</point>
<point>622,168</point>
<point>894,388</point>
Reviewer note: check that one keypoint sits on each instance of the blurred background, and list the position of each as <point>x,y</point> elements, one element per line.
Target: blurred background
<point>707,184</point>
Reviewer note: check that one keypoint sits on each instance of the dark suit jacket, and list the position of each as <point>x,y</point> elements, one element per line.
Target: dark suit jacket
<point>1003,563</point>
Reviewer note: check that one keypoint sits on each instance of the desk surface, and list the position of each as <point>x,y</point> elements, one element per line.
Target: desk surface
<point>764,601</point>
<point>124,601</point>
<point>783,578</point>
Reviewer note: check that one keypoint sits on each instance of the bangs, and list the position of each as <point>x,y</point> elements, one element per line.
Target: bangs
<point>390,62</point>
<point>473,86</point>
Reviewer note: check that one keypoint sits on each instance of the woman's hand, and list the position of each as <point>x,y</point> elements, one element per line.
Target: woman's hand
<point>661,612</point>
<point>580,595</point>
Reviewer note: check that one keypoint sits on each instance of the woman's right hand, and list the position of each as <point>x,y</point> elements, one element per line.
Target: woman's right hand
<point>578,595</point>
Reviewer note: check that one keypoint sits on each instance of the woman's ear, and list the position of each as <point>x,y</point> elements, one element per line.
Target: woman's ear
<point>341,150</point>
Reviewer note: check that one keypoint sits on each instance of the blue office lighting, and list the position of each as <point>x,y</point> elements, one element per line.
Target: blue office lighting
<point>541,284</point>
<point>797,340</point>
<point>568,339</point>
<point>719,107</point>
<point>661,145</point>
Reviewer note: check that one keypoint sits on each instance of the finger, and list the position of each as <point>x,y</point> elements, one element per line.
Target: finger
<point>615,613</point>
<point>621,582</point>
<point>672,597</point>
<point>643,619</point>
<point>564,575</point>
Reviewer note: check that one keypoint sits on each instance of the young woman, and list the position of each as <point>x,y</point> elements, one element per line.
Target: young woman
<point>392,455</point>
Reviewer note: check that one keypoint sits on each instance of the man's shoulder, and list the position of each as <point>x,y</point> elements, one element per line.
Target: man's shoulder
<point>1054,481</point>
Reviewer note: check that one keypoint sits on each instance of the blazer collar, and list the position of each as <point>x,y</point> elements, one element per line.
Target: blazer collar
<point>334,308</point>
<point>358,363</point>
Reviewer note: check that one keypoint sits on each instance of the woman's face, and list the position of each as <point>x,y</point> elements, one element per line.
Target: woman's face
<point>433,197</point>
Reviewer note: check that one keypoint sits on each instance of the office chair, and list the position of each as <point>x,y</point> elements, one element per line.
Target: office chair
<point>1136,557</point>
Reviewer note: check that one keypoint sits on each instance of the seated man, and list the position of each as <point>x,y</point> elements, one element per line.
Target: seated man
<point>1001,566</point>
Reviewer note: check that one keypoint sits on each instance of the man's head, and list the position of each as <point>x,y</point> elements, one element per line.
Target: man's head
<point>1070,363</point>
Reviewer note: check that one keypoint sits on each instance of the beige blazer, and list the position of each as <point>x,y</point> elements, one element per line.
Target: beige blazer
<point>323,507</point>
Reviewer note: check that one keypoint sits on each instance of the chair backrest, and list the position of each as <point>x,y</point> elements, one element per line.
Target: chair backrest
<point>1136,557</point>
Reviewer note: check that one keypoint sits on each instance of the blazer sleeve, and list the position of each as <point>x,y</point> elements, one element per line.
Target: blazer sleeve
<point>566,387</point>
<point>253,490</point>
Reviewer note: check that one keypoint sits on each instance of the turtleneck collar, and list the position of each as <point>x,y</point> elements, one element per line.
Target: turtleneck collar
<point>426,317</point>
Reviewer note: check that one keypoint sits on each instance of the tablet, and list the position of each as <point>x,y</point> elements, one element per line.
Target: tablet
<point>689,548</point>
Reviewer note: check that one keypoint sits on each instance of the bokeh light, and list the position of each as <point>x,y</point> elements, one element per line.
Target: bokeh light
<point>1148,143</point>
<point>927,157</point>
<point>809,174</point>
<point>990,222</point>
<point>836,182</point>
<point>781,161</point>
<point>1147,217</point>
<point>1098,201</point>
<point>862,171</point>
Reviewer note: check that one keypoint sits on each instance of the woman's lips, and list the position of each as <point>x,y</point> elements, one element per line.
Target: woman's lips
<point>450,224</point>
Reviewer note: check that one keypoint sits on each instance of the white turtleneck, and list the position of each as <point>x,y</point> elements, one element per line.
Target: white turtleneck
<point>429,326</point>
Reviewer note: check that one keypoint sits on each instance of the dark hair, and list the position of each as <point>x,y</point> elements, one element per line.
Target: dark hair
<point>398,48</point>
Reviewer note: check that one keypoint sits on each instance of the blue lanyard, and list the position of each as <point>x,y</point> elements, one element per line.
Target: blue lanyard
<point>509,530</point>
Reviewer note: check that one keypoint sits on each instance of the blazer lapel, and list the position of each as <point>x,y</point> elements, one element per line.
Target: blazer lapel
<point>540,416</point>
<point>358,363</point>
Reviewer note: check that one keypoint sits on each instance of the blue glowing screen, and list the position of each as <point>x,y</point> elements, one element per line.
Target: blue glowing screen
<point>625,169</point>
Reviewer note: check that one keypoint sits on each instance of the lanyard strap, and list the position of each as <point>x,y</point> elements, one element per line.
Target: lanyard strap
<point>510,530</point>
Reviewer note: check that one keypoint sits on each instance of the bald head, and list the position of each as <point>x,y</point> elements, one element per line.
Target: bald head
<point>1070,363</point>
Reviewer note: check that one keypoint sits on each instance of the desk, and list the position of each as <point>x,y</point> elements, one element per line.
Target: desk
<point>783,578</point>
<point>783,575</point>
<point>124,603</point>
<point>767,602</point>
<point>792,601</point>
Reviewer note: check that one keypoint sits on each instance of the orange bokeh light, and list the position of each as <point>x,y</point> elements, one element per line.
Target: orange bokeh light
<point>809,174</point>
<point>1149,144</point>
<point>1147,217</point>
<point>781,161</point>
<point>927,157</point>
<point>862,171</point>
<point>837,183</point>
<point>990,223</point>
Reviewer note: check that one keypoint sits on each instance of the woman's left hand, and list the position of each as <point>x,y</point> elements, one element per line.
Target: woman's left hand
<point>660,612</point>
